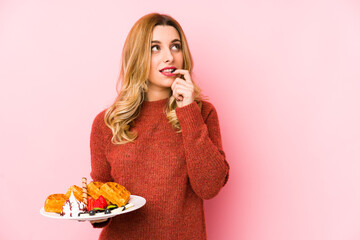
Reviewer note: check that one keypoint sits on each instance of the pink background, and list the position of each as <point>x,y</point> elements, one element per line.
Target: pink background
<point>283,75</point>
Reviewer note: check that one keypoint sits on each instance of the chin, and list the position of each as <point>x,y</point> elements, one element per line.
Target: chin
<point>168,79</point>
<point>162,81</point>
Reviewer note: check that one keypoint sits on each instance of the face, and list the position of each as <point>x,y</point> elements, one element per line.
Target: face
<point>166,52</point>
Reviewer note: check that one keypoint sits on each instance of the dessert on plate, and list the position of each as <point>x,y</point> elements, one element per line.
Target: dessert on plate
<point>54,203</point>
<point>90,199</point>
<point>72,207</point>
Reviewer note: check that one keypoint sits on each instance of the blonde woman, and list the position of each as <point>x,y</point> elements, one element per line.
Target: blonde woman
<point>159,139</point>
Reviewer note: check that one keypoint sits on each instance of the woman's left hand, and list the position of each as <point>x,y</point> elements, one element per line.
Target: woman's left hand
<point>183,90</point>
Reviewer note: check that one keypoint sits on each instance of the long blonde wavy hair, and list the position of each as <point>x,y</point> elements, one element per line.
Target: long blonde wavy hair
<point>135,69</point>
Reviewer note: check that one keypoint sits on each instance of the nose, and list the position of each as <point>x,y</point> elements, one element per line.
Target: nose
<point>167,56</point>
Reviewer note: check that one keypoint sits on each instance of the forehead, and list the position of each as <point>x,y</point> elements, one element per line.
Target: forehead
<point>164,34</point>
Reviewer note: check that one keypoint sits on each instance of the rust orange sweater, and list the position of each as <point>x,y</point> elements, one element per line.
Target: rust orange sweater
<point>173,171</point>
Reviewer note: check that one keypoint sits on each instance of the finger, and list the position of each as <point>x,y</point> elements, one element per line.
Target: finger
<point>180,98</point>
<point>181,82</point>
<point>174,84</point>
<point>99,221</point>
<point>177,93</point>
<point>185,73</point>
<point>182,89</point>
<point>180,93</point>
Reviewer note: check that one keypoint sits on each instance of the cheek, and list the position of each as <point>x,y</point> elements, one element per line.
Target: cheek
<point>179,58</point>
<point>153,66</point>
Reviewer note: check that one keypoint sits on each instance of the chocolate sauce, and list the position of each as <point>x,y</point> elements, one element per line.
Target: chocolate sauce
<point>67,202</point>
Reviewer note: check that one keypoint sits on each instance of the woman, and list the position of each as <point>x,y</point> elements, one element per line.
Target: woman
<point>159,139</point>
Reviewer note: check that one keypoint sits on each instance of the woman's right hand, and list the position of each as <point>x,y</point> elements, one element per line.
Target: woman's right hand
<point>99,221</point>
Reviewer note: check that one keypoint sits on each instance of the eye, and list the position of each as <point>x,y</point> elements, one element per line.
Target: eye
<point>177,46</point>
<point>155,48</point>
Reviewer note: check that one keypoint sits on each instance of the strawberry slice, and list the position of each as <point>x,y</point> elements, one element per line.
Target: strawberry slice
<point>91,203</point>
<point>102,201</point>
<point>97,204</point>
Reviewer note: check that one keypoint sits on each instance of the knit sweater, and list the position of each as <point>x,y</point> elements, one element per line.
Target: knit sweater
<point>173,171</point>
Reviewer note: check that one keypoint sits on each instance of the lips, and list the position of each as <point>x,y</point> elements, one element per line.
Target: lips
<point>168,71</point>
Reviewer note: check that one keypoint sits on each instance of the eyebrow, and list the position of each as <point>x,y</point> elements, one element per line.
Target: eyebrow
<point>157,41</point>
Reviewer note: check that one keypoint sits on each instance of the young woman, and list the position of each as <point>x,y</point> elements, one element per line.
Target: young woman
<point>159,139</point>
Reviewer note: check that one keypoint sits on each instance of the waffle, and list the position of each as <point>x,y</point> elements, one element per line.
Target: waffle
<point>54,203</point>
<point>78,193</point>
<point>93,189</point>
<point>115,193</point>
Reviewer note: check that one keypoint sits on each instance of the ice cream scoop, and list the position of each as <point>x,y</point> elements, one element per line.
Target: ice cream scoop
<point>72,207</point>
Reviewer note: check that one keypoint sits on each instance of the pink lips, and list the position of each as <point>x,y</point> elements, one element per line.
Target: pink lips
<point>168,74</point>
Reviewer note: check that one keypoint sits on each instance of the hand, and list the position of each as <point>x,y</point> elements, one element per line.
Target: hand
<point>183,90</point>
<point>99,221</point>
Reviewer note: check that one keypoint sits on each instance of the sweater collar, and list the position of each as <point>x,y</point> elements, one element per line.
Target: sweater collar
<point>157,106</point>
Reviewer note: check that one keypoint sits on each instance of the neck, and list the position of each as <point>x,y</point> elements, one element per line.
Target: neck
<point>157,95</point>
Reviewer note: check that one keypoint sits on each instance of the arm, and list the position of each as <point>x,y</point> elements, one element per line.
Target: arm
<point>100,167</point>
<point>207,168</point>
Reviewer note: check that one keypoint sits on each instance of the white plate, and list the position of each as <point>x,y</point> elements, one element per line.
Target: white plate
<point>136,201</point>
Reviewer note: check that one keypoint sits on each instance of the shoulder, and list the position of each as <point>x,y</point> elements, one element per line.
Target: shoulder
<point>99,118</point>
<point>99,125</point>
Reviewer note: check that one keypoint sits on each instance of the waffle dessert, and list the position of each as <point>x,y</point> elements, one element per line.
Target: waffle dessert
<point>93,189</point>
<point>115,193</point>
<point>78,193</point>
<point>54,203</point>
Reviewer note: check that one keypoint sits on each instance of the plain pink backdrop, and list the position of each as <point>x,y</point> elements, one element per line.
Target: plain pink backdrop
<point>283,75</point>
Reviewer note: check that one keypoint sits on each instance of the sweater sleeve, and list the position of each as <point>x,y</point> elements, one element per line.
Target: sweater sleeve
<point>100,167</point>
<point>205,159</point>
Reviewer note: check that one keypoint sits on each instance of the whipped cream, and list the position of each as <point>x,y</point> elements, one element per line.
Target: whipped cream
<point>72,207</point>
